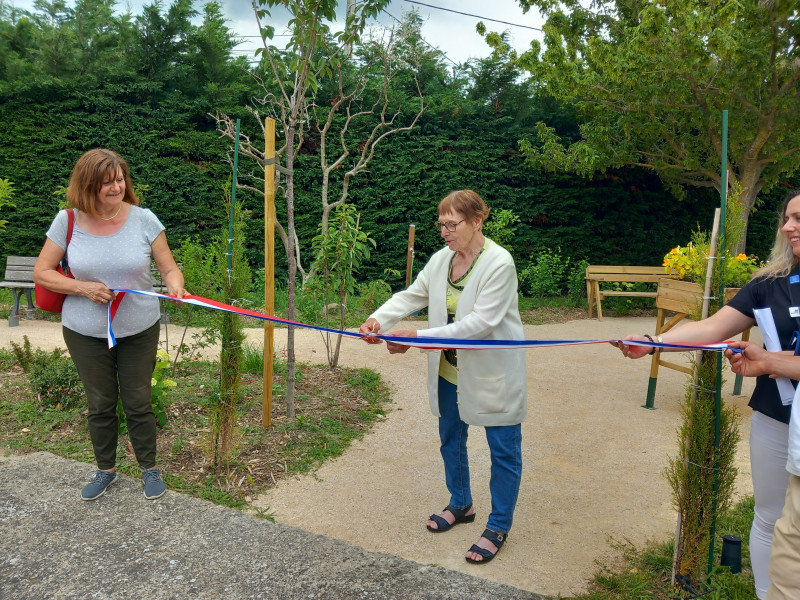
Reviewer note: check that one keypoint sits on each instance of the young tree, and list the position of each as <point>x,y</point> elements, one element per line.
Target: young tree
<point>651,80</point>
<point>291,82</point>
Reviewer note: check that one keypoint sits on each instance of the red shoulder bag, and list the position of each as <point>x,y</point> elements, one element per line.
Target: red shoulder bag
<point>47,299</point>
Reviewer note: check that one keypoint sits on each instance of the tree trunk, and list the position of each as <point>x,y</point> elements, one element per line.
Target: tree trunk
<point>750,188</point>
<point>291,287</point>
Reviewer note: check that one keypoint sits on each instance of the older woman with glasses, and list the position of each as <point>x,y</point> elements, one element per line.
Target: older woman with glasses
<point>470,290</point>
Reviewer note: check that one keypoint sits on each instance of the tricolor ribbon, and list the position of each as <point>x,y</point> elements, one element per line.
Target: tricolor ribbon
<point>425,343</point>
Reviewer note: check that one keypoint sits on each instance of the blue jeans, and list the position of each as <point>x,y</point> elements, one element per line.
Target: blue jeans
<point>505,446</point>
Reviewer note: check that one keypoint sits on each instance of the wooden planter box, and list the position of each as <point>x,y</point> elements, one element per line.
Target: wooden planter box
<point>684,297</point>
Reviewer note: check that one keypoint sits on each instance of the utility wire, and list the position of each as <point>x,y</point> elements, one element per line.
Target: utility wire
<point>427,43</point>
<point>475,16</point>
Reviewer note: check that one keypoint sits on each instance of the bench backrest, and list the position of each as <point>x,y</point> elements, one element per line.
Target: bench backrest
<point>19,268</point>
<point>624,273</point>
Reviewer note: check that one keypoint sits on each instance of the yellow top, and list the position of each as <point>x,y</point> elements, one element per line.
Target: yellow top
<point>448,363</point>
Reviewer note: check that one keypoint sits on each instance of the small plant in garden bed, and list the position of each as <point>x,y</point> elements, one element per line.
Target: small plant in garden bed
<point>333,408</point>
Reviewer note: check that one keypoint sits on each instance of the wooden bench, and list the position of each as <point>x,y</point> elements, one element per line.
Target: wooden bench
<point>679,300</point>
<point>595,274</point>
<point>19,279</point>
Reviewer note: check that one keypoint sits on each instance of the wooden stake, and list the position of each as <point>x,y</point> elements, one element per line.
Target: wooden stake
<point>410,258</point>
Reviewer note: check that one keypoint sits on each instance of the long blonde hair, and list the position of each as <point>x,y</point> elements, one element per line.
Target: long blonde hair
<point>781,259</point>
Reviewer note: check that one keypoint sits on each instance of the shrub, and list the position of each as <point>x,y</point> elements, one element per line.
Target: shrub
<point>547,274</point>
<point>54,379</point>
<point>52,376</point>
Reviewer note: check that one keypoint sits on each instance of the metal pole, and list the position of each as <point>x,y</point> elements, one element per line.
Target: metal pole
<point>233,202</point>
<point>269,267</point>
<point>723,191</point>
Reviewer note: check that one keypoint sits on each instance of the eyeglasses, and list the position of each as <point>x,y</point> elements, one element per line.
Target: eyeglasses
<point>449,226</point>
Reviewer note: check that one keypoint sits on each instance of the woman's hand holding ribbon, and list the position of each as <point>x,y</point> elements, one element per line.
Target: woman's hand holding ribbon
<point>630,350</point>
<point>397,348</point>
<point>370,326</point>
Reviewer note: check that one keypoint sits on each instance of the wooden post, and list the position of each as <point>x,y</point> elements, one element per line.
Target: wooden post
<point>269,267</point>
<point>410,258</point>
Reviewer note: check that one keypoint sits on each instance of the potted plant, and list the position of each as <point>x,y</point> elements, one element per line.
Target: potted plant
<point>685,267</point>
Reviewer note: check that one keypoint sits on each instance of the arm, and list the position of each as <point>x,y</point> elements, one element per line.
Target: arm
<point>171,275</point>
<point>753,360</point>
<point>722,325</point>
<point>45,274</point>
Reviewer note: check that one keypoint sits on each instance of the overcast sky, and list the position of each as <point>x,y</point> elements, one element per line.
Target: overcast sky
<point>448,31</point>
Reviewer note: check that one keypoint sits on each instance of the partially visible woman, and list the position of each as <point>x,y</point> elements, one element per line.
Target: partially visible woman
<point>112,245</point>
<point>777,286</point>
<point>470,290</point>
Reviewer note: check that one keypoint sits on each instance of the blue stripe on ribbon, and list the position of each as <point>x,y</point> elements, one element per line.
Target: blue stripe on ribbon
<point>428,343</point>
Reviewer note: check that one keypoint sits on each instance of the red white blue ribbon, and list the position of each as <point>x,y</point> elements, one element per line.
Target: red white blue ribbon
<point>425,343</point>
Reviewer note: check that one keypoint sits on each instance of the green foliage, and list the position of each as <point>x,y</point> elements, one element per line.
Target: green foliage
<point>55,382</point>
<point>52,376</point>
<point>233,281</point>
<point>699,466</point>
<point>549,273</point>
<point>152,103</point>
<point>374,293</point>
<point>6,191</point>
<point>692,261</point>
<point>161,386</point>
<point>631,71</point>
<point>576,284</point>
<point>340,249</point>
<point>500,227</point>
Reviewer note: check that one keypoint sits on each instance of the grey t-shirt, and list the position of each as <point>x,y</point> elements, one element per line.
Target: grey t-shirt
<point>119,260</point>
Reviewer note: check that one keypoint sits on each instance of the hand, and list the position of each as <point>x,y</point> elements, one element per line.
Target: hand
<point>367,327</point>
<point>752,361</point>
<point>632,351</point>
<point>96,292</point>
<point>179,292</point>
<point>394,347</point>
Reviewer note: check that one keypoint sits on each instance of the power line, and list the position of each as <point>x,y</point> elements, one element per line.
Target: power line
<point>431,46</point>
<point>475,16</point>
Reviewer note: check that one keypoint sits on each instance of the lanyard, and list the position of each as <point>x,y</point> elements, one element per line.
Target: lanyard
<point>793,284</point>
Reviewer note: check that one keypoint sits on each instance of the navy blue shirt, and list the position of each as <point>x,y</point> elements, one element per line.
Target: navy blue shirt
<point>776,295</point>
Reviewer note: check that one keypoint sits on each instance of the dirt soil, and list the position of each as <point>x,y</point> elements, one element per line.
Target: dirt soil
<point>593,459</point>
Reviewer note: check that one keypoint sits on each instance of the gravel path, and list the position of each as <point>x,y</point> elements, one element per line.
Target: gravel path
<point>593,460</point>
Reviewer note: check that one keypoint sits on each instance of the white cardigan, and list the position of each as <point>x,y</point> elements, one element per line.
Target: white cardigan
<point>492,388</point>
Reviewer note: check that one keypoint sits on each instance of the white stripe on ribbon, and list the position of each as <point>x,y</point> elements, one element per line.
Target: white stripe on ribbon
<point>425,343</point>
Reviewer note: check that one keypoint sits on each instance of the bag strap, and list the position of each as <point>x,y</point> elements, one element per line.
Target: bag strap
<point>70,226</point>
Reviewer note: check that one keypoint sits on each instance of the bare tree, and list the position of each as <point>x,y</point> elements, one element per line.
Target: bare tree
<point>290,81</point>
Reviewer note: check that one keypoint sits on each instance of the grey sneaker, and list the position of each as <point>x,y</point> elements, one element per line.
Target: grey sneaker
<point>98,485</point>
<point>154,486</point>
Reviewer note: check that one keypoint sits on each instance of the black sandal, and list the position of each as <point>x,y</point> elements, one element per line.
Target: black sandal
<point>459,513</point>
<point>498,539</point>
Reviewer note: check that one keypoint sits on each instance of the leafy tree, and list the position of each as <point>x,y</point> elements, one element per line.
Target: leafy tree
<point>160,51</point>
<point>650,81</point>
<point>340,250</point>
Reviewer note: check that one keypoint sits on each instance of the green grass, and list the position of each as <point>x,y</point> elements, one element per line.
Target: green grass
<point>645,573</point>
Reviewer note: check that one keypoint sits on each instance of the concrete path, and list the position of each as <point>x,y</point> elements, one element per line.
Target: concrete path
<point>121,546</point>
